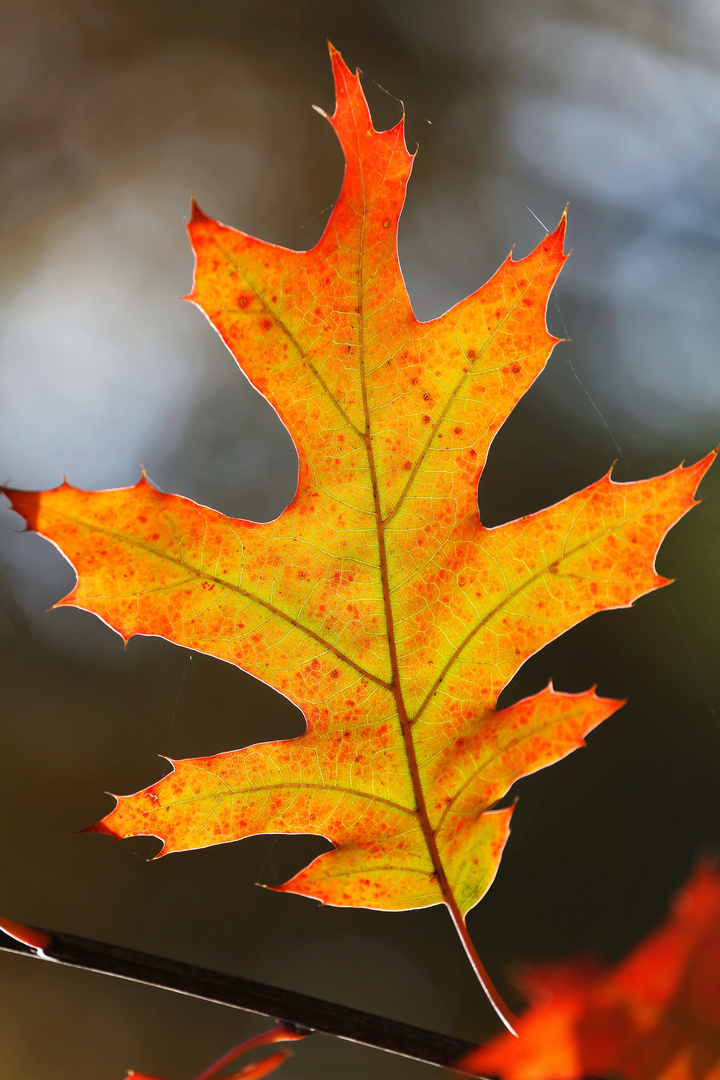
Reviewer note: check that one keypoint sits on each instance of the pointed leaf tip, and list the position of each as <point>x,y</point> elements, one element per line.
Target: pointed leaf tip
<point>196,214</point>
<point>101,829</point>
<point>557,236</point>
<point>337,62</point>
<point>26,504</point>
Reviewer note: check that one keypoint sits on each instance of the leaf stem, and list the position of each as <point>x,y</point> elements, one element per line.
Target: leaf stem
<point>508,1018</point>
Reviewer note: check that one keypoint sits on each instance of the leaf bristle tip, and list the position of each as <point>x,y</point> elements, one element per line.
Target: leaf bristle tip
<point>197,216</point>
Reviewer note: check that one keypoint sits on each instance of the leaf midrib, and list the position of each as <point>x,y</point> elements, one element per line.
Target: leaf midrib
<point>418,792</point>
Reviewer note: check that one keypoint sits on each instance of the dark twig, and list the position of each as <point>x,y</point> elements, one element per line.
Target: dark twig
<point>305,1014</point>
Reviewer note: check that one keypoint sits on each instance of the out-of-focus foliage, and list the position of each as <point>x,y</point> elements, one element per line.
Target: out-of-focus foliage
<point>656,1016</point>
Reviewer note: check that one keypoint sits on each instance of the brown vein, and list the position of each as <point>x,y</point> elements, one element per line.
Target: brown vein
<point>421,810</point>
<point>288,332</point>
<point>486,764</point>
<point>454,394</point>
<point>517,592</point>
<point>230,586</point>
<point>235,792</point>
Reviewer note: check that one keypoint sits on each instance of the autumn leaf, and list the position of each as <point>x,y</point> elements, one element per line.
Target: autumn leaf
<point>656,1016</point>
<point>377,602</point>
<point>255,1070</point>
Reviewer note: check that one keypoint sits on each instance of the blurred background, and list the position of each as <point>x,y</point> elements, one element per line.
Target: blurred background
<point>112,112</point>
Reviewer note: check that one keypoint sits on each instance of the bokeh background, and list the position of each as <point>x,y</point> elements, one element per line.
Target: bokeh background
<point>112,112</point>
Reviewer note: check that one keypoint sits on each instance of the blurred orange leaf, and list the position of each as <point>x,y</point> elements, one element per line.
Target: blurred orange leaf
<point>656,1016</point>
<point>377,602</point>
<point>255,1070</point>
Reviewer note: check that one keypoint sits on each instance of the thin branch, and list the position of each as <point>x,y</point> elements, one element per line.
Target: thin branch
<point>304,1014</point>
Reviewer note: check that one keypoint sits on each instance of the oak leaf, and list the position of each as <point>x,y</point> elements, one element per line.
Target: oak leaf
<point>377,602</point>
<point>656,1016</point>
